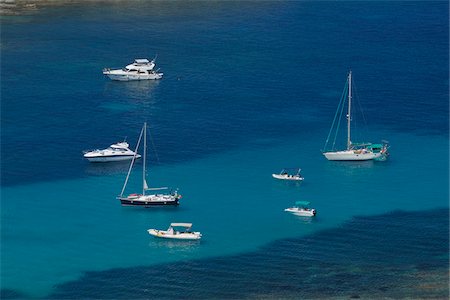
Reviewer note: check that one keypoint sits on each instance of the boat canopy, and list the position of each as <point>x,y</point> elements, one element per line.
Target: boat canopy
<point>141,61</point>
<point>361,144</point>
<point>302,203</point>
<point>187,225</point>
<point>376,146</point>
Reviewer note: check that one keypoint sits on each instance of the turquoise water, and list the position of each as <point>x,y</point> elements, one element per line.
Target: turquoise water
<point>239,101</point>
<point>57,230</point>
<point>359,259</point>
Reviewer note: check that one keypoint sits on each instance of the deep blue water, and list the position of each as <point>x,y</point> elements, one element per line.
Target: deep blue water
<point>272,72</point>
<point>248,88</point>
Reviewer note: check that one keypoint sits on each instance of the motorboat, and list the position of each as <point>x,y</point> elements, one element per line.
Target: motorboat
<point>115,152</point>
<point>140,69</point>
<point>179,231</point>
<point>354,151</point>
<point>160,196</point>
<point>286,175</point>
<point>301,209</point>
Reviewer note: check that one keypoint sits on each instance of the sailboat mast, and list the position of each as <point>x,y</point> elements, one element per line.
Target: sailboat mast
<point>349,143</point>
<point>132,163</point>
<point>145,156</point>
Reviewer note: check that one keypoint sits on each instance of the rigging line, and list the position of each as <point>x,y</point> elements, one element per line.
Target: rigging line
<point>132,162</point>
<point>153,145</point>
<point>344,97</point>
<point>334,120</point>
<point>366,128</point>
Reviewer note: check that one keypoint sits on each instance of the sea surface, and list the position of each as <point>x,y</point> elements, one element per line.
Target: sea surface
<point>249,88</point>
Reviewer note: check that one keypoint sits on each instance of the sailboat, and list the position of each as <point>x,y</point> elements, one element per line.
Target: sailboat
<point>161,196</point>
<point>354,151</point>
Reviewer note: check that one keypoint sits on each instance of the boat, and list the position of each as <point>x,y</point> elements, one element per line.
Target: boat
<point>354,151</point>
<point>285,175</point>
<point>115,152</point>
<point>178,231</point>
<point>301,209</point>
<point>140,69</point>
<point>160,196</point>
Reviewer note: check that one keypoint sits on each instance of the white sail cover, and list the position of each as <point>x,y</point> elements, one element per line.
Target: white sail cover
<point>145,185</point>
<point>187,225</point>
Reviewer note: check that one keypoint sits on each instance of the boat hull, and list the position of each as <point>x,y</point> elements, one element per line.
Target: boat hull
<point>131,77</point>
<point>180,236</point>
<point>149,201</point>
<point>301,212</point>
<point>352,155</point>
<point>287,177</point>
<point>97,159</point>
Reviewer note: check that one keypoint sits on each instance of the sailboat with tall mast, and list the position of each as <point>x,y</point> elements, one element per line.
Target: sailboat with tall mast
<point>354,151</point>
<point>161,196</point>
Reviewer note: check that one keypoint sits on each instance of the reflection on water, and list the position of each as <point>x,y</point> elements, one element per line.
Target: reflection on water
<point>364,164</point>
<point>129,96</point>
<point>174,246</point>
<point>293,183</point>
<point>108,168</point>
<point>351,168</point>
<point>137,90</point>
<point>304,220</point>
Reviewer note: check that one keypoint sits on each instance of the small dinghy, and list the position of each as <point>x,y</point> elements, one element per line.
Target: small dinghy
<point>179,231</point>
<point>301,209</point>
<point>286,175</point>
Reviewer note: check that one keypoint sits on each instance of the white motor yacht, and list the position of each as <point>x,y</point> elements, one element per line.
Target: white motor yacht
<point>301,209</point>
<point>115,152</point>
<point>180,231</point>
<point>140,69</point>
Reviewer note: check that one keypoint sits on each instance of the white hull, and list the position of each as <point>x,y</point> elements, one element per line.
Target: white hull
<point>149,200</point>
<point>115,152</point>
<point>128,77</point>
<point>287,177</point>
<point>356,155</point>
<point>111,158</point>
<point>174,235</point>
<point>301,212</point>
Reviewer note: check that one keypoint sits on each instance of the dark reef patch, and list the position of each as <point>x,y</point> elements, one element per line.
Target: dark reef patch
<point>11,294</point>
